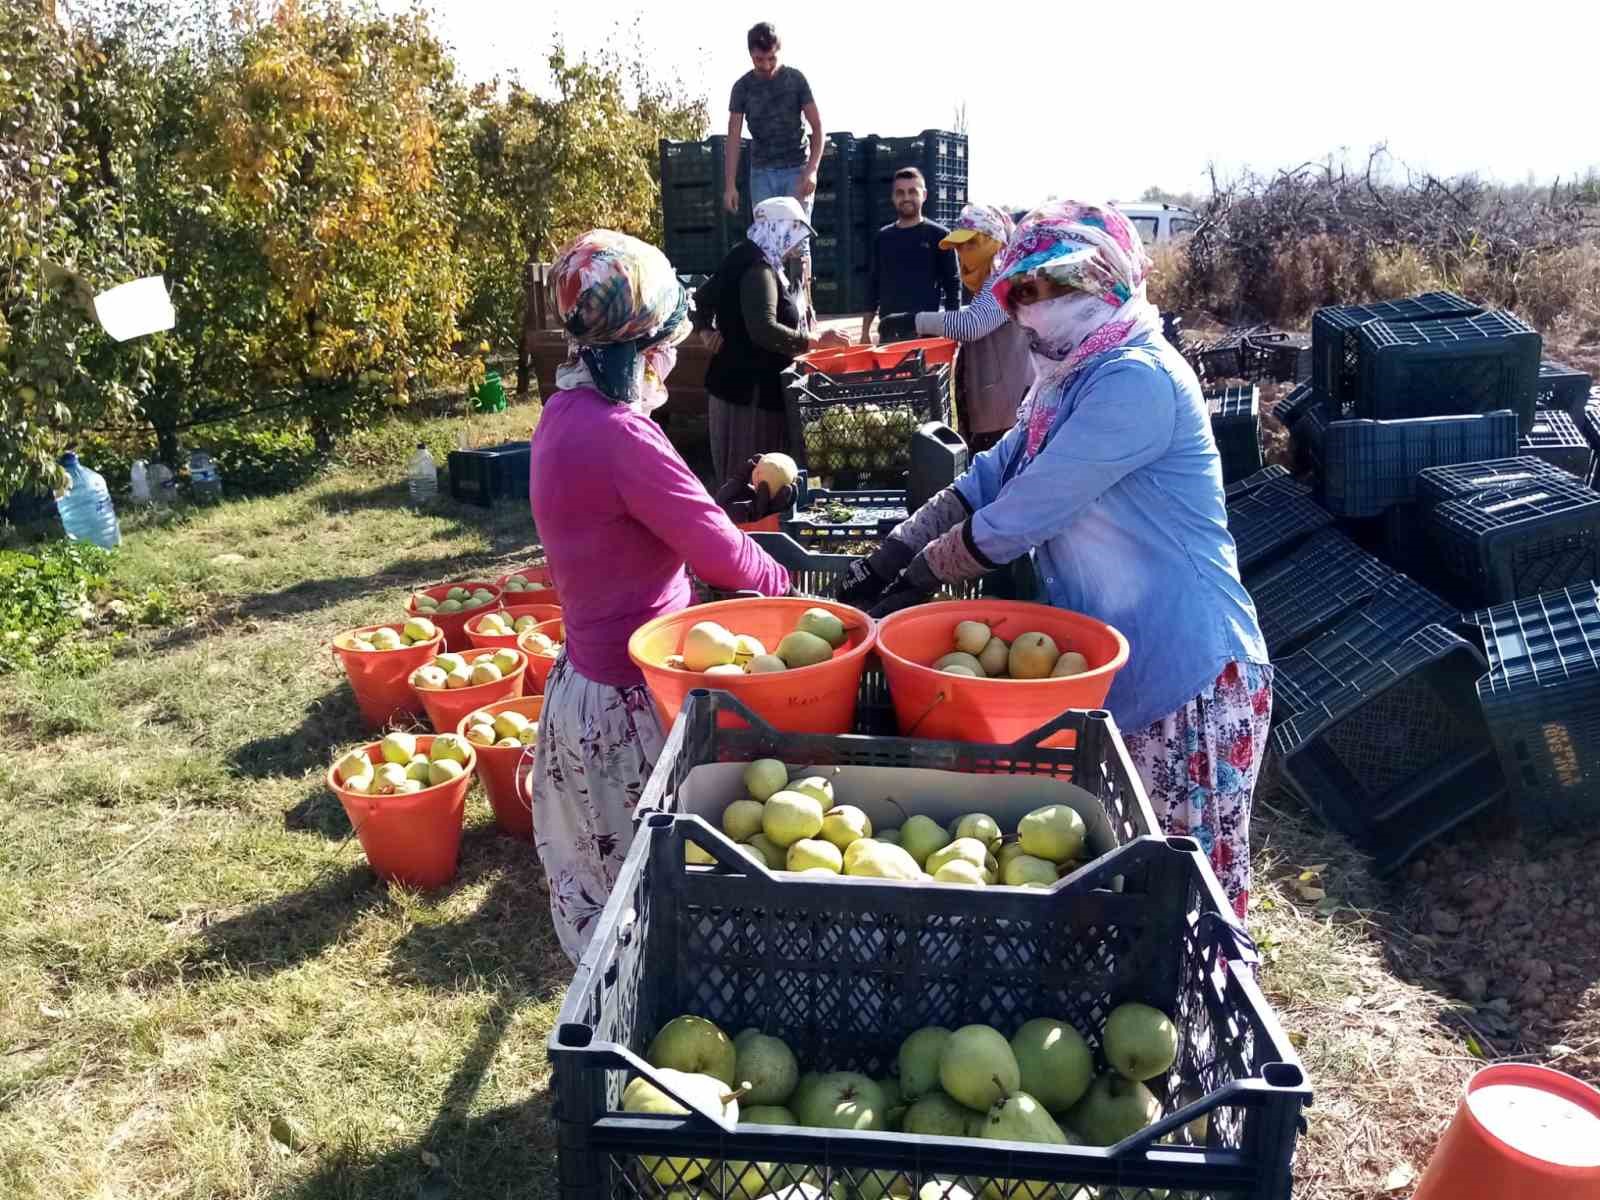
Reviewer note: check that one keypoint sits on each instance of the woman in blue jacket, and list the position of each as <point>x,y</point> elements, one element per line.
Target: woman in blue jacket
<point>1111,480</point>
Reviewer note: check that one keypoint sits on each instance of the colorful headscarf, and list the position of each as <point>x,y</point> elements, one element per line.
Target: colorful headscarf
<point>624,313</point>
<point>1095,251</point>
<point>986,219</point>
<point>779,229</point>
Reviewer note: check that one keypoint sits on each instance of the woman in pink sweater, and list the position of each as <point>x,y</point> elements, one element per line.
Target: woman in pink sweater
<point>619,514</point>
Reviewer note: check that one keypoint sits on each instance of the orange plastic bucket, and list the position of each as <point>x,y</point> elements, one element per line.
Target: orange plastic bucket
<point>540,575</point>
<point>499,766</point>
<point>454,624</point>
<point>1519,1131</point>
<point>381,679</point>
<point>539,612</point>
<point>843,361</point>
<point>931,704</point>
<point>412,839</point>
<point>446,706</point>
<point>819,699</point>
<point>848,359</point>
<point>539,665</point>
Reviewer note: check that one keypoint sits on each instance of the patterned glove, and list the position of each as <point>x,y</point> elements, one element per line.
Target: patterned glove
<point>745,504</point>
<point>897,327</point>
<point>914,585</point>
<point>866,579</point>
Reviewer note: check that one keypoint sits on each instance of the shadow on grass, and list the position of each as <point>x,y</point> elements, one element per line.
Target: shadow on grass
<point>329,721</point>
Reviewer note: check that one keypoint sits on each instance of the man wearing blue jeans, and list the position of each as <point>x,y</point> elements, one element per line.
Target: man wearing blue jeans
<point>783,161</point>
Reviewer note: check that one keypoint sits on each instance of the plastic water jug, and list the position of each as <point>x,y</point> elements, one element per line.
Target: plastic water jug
<point>422,477</point>
<point>139,482</point>
<point>86,510</point>
<point>204,478</point>
<point>163,484</point>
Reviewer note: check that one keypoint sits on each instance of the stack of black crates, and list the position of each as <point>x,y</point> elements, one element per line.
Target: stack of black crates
<point>1427,624</point>
<point>855,185</point>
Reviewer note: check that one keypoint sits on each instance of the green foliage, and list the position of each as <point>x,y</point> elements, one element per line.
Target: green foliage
<point>45,596</point>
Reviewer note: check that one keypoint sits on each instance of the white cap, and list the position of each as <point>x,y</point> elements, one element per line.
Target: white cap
<point>783,208</point>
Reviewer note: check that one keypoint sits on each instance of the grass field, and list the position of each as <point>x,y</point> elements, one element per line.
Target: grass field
<point>204,993</point>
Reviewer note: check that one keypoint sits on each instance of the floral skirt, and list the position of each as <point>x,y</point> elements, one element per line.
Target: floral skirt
<point>597,747</point>
<point>1200,764</point>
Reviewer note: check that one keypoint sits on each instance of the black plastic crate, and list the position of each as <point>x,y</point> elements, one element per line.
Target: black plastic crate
<point>844,971</point>
<point>945,200</point>
<point>1562,387</point>
<point>1305,439</point>
<point>828,519</point>
<point>1245,486</point>
<point>1494,547</point>
<point>863,427</point>
<point>1367,466</point>
<point>1555,439</point>
<point>937,154</point>
<point>1449,366</point>
<point>703,162</point>
<point>1273,355</point>
<point>1336,338</point>
<point>839,295</point>
<point>1397,752</point>
<point>1437,484</point>
<point>1295,405</point>
<point>700,250</point>
<point>1300,594</point>
<point>1273,518</point>
<point>714,727</point>
<point>1541,697</point>
<point>1236,426</point>
<point>492,473</point>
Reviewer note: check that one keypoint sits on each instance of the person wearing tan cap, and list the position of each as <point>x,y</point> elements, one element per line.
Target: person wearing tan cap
<point>996,367</point>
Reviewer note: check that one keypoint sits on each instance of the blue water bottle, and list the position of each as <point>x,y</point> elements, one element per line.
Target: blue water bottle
<point>86,510</point>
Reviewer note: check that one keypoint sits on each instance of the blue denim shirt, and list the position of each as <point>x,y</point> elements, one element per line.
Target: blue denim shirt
<point>1123,511</point>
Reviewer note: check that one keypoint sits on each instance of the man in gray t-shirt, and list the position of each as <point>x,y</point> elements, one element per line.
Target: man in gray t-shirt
<point>772,99</point>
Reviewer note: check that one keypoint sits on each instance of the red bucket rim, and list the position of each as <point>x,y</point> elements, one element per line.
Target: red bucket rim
<point>971,609</point>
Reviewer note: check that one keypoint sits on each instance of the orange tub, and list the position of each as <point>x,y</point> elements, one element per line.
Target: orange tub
<point>539,612</point>
<point>381,679</point>
<point>539,665</point>
<point>819,699</point>
<point>446,706</point>
<point>454,624</point>
<point>413,839</point>
<point>499,766</point>
<point>541,574</point>
<point>846,360</point>
<point>931,704</point>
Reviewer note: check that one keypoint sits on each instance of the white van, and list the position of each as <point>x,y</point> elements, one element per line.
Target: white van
<point>1160,222</point>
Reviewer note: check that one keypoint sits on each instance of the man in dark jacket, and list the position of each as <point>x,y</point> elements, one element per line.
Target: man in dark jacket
<point>909,272</point>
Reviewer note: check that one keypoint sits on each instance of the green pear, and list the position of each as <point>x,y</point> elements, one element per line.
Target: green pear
<point>1020,1117</point>
<point>801,649</point>
<point>807,1081</point>
<point>741,820</point>
<point>920,836</point>
<point>790,816</point>
<point>511,723</point>
<point>971,637</point>
<point>1056,1063</point>
<point>821,623</point>
<point>707,644</point>
<point>815,786</point>
<point>958,659</point>
<point>1055,832</point>
<point>1140,1042</point>
<point>764,777</point>
<point>1070,663</point>
<point>962,872</point>
<point>776,856</point>
<point>642,1096</point>
<point>977,1067</point>
<point>351,765</point>
<point>936,1115</point>
<point>958,669</point>
<point>879,860</point>
<point>744,1035</point>
<point>695,1045</point>
<point>918,1060</point>
<point>845,823</point>
<point>768,1114</point>
<point>765,664</point>
<point>442,770</point>
<point>1008,851</point>
<point>882,1185</point>
<point>965,849</point>
<point>449,746</point>
<point>399,747</point>
<point>766,1068</point>
<point>1024,869</point>
<point>841,1100</point>
<point>695,856</point>
<point>981,826</point>
<point>808,853</point>
<point>1033,656</point>
<point>1113,1108</point>
<point>894,1102</point>
<point>995,658</point>
<point>888,836</point>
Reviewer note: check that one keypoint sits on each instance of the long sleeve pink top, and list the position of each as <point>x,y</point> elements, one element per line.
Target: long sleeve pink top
<point>620,514</point>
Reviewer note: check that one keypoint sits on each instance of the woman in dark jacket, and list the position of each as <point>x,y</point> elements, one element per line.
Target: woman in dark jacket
<point>754,312</point>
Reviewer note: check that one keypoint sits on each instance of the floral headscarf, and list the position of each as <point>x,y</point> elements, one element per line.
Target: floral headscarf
<point>1095,251</point>
<point>986,219</point>
<point>624,312</point>
<point>778,233</point>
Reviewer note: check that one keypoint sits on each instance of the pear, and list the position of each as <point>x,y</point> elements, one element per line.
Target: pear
<point>958,669</point>
<point>725,669</point>
<point>351,765</point>
<point>815,785</point>
<point>918,1061</point>
<point>842,1100</point>
<point>801,649</point>
<point>971,637</point>
<point>449,746</point>
<point>695,1045</point>
<point>1024,869</point>
<point>1055,832</point>
<point>768,1114</point>
<point>766,664</point>
<point>894,1102</point>
<point>429,677</point>
<point>386,639</point>
<point>1033,656</point>
<point>1007,851</point>
<point>775,856</point>
<point>697,857</point>
<point>766,1068</point>
<point>845,823</point>
<point>1056,1063</point>
<point>642,1096</point>
<point>1140,1042</point>
<point>1020,1117</point>
<point>819,622</point>
<point>959,659</point>
<point>964,873</point>
<point>889,836</point>
<point>707,644</point>
<point>764,777</point>
<point>969,850</point>
<point>977,1067</point>
<point>995,658</point>
<point>1113,1108</point>
<point>511,723</point>
<point>981,826</point>
<point>745,648</point>
<point>1070,663</point>
<point>877,860</point>
<point>936,1115</point>
<point>443,770</point>
<point>741,820</point>
<point>790,816</point>
<point>920,836</point>
<point>808,853</point>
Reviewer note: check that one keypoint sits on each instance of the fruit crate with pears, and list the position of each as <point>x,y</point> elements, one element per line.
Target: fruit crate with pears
<point>856,987</point>
<point>862,427</point>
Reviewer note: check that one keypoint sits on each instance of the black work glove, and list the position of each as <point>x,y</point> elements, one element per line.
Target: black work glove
<point>914,585</point>
<point>897,327</point>
<point>867,579</point>
<point>745,504</point>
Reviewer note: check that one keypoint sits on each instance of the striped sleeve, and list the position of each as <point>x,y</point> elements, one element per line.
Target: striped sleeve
<point>978,319</point>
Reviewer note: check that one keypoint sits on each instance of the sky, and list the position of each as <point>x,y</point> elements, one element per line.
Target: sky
<point>1059,103</point>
